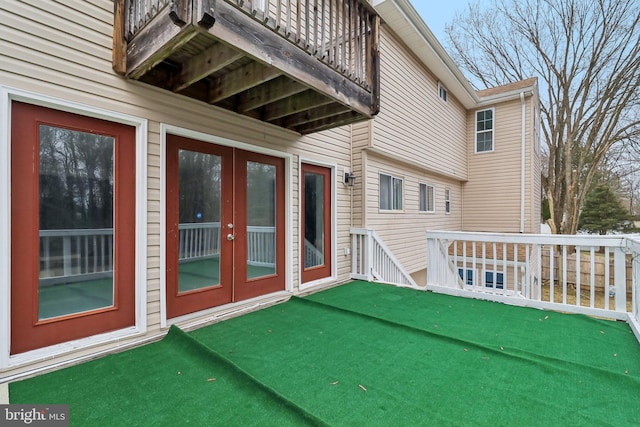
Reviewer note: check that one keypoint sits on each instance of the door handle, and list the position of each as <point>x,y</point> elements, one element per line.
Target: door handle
<point>230,236</point>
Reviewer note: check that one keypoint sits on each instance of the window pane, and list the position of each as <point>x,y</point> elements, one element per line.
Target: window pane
<point>76,222</point>
<point>430,198</point>
<point>199,220</point>
<point>397,194</point>
<point>385,192</point>
<point>423,197</point>
<point>313,219</point>
<point>261,219</point>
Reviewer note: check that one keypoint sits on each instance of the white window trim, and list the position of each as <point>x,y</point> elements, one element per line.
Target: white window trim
<point>447,201</point>
<point>441,88</point>
<point>426,195</point>
<point>403,191</point>
<point>7,95</point>
<point>201,317</point>
<point>476,132</point>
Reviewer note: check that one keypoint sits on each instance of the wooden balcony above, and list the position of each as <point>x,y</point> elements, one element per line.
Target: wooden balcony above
<point>304,65</point>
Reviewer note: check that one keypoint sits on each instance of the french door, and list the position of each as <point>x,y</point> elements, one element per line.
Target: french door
<point>225,225</point>
<point>72,226</point>
<point>316,222</point>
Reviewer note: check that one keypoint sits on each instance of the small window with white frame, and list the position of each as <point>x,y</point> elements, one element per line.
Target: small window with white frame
<point>447,201</point>
<point>484,130</point>
<point>427,198</point>
<point>442,92</point>
<point>390,193</point>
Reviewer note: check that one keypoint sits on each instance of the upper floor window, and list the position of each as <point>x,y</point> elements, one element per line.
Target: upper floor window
<point>427,198</point>
<point>484,130</point>
<point>447,201</point>
<point>390,193</point>
<point>442,92</point>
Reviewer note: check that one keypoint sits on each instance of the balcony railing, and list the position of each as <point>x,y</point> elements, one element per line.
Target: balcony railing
<point>302,64</point>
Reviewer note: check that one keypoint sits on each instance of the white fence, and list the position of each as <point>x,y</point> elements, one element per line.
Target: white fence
<point>372,260</point>
<point>594,275</point>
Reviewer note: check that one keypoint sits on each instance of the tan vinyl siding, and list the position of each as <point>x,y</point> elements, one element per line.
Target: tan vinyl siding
<point>414,121</point>
<point>404,231</point>
<point>362,134</point>
<point>492,195</point>
<point>62,49</point>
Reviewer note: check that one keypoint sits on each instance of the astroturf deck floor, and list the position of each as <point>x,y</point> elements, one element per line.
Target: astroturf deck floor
<point>364,354</point>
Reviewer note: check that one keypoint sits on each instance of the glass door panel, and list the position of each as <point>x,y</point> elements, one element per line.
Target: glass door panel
<point>261,220</point>
<point>314,219</point>
<point>316,222</point>
<point>199,220</point>
<point>76,222</point>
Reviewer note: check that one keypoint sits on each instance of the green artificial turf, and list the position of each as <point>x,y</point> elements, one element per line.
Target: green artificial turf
<point>364,355</point>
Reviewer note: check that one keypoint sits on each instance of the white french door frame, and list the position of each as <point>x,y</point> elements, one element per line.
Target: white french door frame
<point>213,139</point>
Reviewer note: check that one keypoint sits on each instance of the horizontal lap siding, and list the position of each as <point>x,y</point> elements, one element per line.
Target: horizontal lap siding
<point>62,49</point>
<point>404,231</point>
<point>413,121</point>
<point>492,195</point>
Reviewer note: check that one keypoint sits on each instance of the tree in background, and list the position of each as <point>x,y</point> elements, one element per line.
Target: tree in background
<point>586,55</point>
<point>603,212</point>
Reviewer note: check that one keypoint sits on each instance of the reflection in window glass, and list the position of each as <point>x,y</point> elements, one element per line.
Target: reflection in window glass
<point>76,194</point>
<point>200,189</point>
<point>261,219</point>
<point>313,219</point>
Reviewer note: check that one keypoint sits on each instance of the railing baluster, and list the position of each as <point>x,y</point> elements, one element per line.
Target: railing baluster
<point>564,274</point>
<point>607,279</point>
<point>578,262</point>
<point>592,290</point>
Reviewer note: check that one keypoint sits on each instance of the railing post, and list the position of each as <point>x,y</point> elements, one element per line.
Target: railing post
<point>368,263</point>
<point>620,279</point>
<point>66,255</point>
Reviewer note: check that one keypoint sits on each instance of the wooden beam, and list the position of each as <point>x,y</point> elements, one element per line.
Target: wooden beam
<point>295,104</point>
<point>273,91</point>
<point>330,123</point>
<point>309,116</point>
<point>119,52</point>
<point>245,78</point>
<point>208,62</point>
<point>154,43</point>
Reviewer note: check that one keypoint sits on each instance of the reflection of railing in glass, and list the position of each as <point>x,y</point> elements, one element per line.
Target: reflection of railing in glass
<point>76,255</point>
<point>313,256</point>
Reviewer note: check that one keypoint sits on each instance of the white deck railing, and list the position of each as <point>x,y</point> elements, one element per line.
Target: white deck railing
<point>372,260</point>
<point>594,275</point>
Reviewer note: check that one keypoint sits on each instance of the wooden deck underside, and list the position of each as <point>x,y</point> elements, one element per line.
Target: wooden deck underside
<point>239,64</point>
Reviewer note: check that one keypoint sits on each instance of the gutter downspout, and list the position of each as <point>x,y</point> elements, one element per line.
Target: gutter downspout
<point>522,163</point>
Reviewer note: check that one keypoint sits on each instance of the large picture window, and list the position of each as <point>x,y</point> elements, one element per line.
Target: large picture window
<point>390,193</point>
<point>484,131</point>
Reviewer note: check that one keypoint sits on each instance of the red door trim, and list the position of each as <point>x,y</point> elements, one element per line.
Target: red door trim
<point>245,288</point>
<point>320,271</point>
<point>188,302</point>
<point>27,332</point>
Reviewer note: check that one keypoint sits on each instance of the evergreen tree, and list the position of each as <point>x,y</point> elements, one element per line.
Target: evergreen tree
<point>603,212</point>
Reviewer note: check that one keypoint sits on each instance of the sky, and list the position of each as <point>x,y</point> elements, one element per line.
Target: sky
<point>437,13</point>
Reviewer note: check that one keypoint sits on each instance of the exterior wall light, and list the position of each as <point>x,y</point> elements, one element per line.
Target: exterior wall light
<point>349,179</point>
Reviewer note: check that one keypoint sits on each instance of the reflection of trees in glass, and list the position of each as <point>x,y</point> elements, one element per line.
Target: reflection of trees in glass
<point>261,194</point>
<point>200,187</point>
<point>76,179</point>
